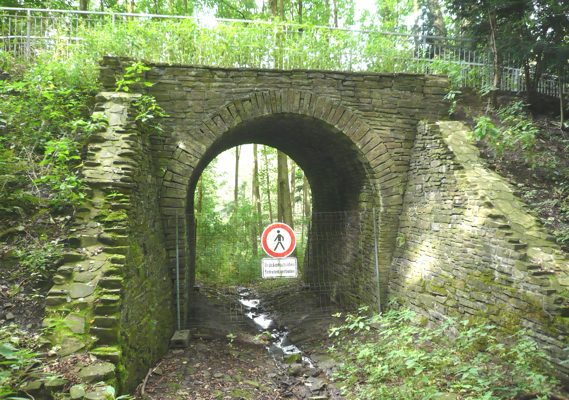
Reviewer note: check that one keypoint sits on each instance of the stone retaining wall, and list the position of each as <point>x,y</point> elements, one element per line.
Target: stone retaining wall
<point>468,246</point>
<point>114,292</point>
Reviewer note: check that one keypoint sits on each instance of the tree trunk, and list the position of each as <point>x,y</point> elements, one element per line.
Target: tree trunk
<point>497,78</point>
<point>335,5</point>
<point>292,184</point>
<point>236,181</point>
<point>438,19</point>
<point>268,182</point>
<point>281,10</point>
<point>305,203</point>
<point>283,190</point>
<point>84,5</point>
<point>300,11</point>
<point>561,101</point>
<point>256,198</point>
<point>199,199</point>
<point>273,5</point>
<point>532,89</point>
<point>531,84</point>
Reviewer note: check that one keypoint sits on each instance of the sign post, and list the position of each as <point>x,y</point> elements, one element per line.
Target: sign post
<point>279,241</point>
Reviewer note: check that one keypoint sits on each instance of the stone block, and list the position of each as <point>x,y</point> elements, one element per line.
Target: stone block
<point>78,290</point>
<point>180,339</point>
<point>97,372</point>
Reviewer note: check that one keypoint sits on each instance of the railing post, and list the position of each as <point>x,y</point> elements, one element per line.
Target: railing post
<point>28,45</point>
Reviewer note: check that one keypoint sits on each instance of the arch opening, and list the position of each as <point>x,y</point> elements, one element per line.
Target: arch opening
<point>338,257</point>
<point>336,170</point>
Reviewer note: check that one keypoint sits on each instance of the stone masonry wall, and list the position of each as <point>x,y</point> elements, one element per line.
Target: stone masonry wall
<point>211,109</point>
<point>467,246</point>
<point>114,282</point>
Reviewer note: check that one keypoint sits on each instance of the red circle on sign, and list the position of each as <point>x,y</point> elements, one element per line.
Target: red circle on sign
<point>273,253</point>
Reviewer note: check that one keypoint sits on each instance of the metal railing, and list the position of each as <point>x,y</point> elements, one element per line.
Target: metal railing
<point>27,32</point>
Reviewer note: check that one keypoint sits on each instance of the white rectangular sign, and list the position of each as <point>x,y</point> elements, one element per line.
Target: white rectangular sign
<point>279,267</point>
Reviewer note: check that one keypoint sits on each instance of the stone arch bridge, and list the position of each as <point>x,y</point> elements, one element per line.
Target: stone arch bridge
<point>453,238</point>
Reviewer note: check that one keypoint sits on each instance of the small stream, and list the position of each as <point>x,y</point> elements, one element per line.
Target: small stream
<point>280,348</point>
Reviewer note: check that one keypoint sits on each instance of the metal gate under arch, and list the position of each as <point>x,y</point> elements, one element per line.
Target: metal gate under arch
<point>337,255</point>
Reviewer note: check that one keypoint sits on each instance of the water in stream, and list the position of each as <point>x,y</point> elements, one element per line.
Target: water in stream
<point>280,347</point>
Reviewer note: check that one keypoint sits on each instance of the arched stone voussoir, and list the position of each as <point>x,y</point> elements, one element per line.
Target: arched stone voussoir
<point>264,103</point>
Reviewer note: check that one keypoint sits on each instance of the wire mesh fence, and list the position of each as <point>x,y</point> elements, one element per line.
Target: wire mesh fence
<point>336,255</point>
<point>255,44</point>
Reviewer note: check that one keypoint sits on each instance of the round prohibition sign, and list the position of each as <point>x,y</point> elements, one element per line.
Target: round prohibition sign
<point>278,240</point>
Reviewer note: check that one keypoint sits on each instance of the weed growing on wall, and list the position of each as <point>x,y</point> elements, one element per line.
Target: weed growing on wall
<point>396,356</point>
<point>148,111</point>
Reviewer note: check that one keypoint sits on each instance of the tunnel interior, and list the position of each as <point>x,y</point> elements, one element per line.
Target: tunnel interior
<point>334,166</point>
<point>343,195</point>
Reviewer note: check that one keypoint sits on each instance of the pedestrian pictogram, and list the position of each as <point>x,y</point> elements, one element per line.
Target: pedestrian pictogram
<point>278,240</point>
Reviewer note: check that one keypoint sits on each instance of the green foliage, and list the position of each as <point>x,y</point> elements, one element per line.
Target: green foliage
<point>226,251</point>
<point>231,338</point>
<point>44,111</point>
<point>149,114</point>
<point>38,260</point>
<point>148,110</point>
<point>518,127</point>
<point>133,75</point>
<point>515,132</point>
<point>394,356</point>
<point>14,199</point>
<point>19,356</point>
<point>486,129</point>
<point>60,160</point>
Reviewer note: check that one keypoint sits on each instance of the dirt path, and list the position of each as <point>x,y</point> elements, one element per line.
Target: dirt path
<point>236,366</point>
<point>217,369</point>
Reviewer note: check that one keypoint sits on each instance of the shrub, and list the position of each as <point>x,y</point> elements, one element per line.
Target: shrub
<point>394,356</point>
<point>39,260</point>
<point>516,131</point>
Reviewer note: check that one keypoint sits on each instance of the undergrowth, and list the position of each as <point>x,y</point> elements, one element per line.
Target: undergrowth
<point>19,358</point>
<point>395,356</point>
<point>515,130</point>
<point>45,121</point>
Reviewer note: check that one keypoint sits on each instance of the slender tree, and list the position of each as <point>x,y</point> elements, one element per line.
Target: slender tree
<point>256,198</point>
<point>265,153</point>
<point>292,184</point>
<point>305,202</point>
<point>283,190</point>
<point>236,180</point>
<point>199,196</point>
